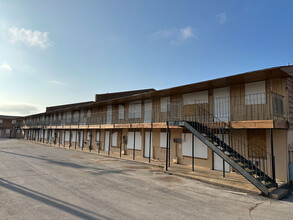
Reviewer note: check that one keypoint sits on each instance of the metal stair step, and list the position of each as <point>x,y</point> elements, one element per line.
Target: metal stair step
<point>271,185</point>
<point>261,178</point>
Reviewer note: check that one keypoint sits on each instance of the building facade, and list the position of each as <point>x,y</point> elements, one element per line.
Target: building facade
<point>241,123</point>
<point>10,126</point>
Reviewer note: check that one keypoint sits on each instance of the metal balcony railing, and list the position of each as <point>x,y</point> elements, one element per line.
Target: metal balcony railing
<point>259,106</point>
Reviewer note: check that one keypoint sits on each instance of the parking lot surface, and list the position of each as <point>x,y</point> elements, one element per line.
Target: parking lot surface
<point>44,182</point>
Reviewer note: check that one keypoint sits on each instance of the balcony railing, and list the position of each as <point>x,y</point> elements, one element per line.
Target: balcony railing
<point>260,106</point>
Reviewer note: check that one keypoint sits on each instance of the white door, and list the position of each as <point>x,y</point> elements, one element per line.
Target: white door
<point>148,111</point>
<point>218,161</point>
<point>147,144</point>
<point>222,103</point>
<point>107,134</point>
<point>81,139</point>
<point>109,114</point>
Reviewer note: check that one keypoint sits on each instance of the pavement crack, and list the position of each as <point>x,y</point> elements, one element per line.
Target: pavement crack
<point>253,208</point>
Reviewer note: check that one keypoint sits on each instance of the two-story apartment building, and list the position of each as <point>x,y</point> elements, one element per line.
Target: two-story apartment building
<point>9,126</point>
<point>239,123</point>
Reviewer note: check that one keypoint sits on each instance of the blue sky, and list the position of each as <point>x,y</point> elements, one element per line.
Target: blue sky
<point>58,52</point>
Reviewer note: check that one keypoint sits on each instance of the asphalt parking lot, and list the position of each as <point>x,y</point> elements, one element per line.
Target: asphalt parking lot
<point>44,182</point>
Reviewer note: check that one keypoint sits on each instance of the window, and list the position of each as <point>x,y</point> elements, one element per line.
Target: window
<point>109,114</point>
<point>1,121</point>
<point>163,139</point>
<point>200,149</point>
<point>68,117</point>
<point>135,110</point>
<point>13,121</point>
<point>76,116</point>
<point>121,112</point>
<point>130,140</point>
<point>67,136</point>
<point>88,136</point>
<point>255,93</point>
<point>89,112</point>
<point>74,136</point>
<point>7,131</point>
<point>196,97</point>
<point>98,136</point>
<point>114,139</point>
<point>164,103</point>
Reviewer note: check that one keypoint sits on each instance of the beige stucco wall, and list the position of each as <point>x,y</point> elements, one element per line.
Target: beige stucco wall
<point>280,151</point>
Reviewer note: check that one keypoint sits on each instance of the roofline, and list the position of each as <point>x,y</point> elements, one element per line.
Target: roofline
<point>156,93</point>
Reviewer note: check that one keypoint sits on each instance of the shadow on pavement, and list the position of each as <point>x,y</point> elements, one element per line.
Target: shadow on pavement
<point>51,201</point>
<point>289,197</point>
<point>96,171</point>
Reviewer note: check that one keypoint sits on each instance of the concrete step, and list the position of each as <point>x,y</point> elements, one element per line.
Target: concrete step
<point>278,193</point>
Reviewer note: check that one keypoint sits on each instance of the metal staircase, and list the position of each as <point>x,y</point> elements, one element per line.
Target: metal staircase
<point>247,158</point>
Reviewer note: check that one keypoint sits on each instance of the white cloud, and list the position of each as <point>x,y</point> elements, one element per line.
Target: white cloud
<point>165,33</point>
<point>29,37</point>
<point>222,18</point>
<point>5,67</point>
<point>175,35</point>
<point>18,109</point>
<point>58,82</point>
<point>186,33</point>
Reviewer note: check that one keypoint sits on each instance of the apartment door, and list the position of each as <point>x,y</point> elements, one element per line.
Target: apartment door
<point>81,139</point>
<point>148,111</point>
<point>218,161</point>
<point>107,143</point>
<point>147,144</point>
<point>109,114</point>
<point>222,103</point>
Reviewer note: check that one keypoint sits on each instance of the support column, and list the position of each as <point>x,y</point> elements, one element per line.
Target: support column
<point>224,168</point>
<point>76,132</point>
<point>64,133</point>
<point>109,142</point>
<point>273,156</point>
<point>192,152</point>
<point>91,141</point>
<point>99,149</point>
<point>121,142</point>
<point>70,137</point>
<point>167,147</point>
<point>134,146</point>
<point>150,145</point>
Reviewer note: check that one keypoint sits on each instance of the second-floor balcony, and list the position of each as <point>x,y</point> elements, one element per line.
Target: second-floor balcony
<point>260,106</point>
